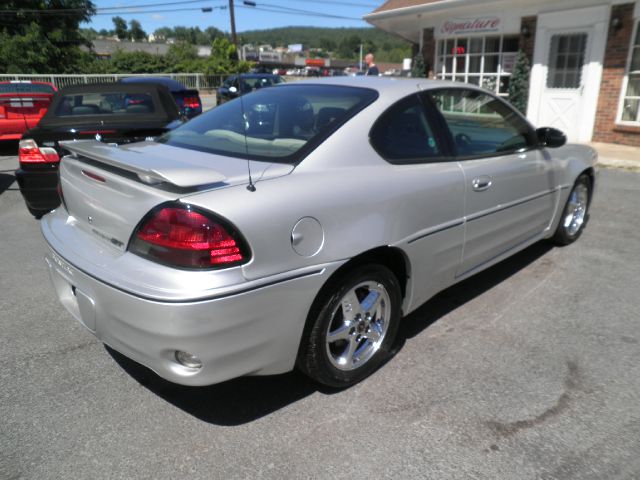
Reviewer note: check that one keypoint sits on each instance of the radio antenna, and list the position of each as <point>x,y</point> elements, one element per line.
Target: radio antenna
<point>245,125</point>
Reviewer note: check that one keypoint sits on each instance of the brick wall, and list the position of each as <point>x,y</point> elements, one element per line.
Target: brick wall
<point>615,62</point>
<point>428,51</point>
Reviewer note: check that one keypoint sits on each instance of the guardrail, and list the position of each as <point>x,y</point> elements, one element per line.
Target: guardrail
<point>199,81</point>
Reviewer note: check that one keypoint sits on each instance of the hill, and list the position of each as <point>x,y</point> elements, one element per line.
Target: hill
<point>343,42</point>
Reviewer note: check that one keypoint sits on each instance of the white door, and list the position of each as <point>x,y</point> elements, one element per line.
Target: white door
<point>563,91</point>
<point>567,69</point>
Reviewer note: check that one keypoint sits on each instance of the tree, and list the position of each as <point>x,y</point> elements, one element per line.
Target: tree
<point>120,27</point>
<point>182,57</point>
<point>223,59</point>
<point>519,83</point>
<point>417,67</point>
<point>135,31</point>
<point>349,47</point>
<point>32,42</point>
<point>213,33</point>
<point>136,62</point>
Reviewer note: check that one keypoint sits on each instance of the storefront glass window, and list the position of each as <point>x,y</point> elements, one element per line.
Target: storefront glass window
<point>486,61</point>
<point>631,101</point>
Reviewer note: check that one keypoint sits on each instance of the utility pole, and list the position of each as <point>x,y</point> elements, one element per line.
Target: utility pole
<point>234,39</point>
<point>360,57</point>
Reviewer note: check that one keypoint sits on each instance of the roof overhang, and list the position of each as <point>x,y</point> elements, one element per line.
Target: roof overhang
<point>405,21</point>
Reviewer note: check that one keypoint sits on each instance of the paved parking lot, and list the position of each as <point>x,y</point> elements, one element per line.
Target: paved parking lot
<point>530,370</point>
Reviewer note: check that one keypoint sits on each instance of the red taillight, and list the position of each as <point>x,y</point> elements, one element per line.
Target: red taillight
<point>186,238</point>
<point>28,152</point>
<point>191,102</point>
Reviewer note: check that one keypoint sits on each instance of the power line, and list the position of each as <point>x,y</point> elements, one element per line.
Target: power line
<point>344,4</point>
<point>295,11</point>
<point>129,12</point>
<point>71,10</point>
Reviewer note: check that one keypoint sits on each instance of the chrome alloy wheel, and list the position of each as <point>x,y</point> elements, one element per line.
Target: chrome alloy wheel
<point>358,325</point>
<point>576,209</point>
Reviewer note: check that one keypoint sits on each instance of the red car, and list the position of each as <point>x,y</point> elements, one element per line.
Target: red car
<point>22,105</point>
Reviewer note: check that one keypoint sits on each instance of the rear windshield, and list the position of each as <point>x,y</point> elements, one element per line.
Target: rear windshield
<point>105,104</point>
<point>275,124</point>
<point>26,88</point>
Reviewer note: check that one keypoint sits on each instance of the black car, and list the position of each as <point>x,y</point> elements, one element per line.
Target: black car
<point>237,85</point>
<point>188,100</point>
<point>111,113</point>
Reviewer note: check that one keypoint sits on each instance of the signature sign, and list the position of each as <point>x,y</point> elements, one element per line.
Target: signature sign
<point>457,26</point>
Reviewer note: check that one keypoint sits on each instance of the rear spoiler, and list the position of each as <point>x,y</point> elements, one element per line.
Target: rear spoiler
<point>164,171</point>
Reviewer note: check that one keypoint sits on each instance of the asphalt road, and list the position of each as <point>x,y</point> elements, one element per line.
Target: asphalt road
<point>530,370</point>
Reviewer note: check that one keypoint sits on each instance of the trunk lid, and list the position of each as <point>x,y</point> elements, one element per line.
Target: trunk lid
<point>28,107</point>
<point>108,189</point>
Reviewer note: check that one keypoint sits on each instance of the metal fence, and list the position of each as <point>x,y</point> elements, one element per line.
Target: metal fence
<point>199,81</point>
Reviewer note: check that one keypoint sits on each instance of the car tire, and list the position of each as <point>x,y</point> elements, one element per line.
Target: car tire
<point>575,213</point>
<point>343,344</point>
<point>38,214</point>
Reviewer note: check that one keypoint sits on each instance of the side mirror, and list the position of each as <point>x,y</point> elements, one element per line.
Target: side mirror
<point>551,137</point>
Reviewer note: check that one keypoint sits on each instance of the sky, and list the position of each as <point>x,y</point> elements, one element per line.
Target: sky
<point>267,14</point>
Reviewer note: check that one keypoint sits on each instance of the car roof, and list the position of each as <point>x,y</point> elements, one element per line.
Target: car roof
<point>170,83</point>
<point>258,75</point>
<point>18,82</point>
<point>394,87</point>
<point>110,88</point>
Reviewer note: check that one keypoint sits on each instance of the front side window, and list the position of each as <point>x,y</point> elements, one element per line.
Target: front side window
<point>483,61</point>
<point>631,99</point>
<point>402,134</point>
<point>272,124</point>
<point>482,125</point>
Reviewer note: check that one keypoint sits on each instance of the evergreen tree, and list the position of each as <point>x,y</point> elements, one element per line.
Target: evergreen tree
<point>417,66</point>
<point>519,83</point>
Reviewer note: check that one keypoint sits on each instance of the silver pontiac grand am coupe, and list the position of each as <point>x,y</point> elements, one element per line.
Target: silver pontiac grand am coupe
<point>296,225</point>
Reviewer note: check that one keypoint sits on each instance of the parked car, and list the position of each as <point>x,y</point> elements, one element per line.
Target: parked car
<point>113,113</point>
<point>22,105</point>
<point>297,227</point>
<point>188,100</point>
<point>237,85</point>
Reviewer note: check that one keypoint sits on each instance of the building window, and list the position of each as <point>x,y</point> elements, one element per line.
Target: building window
<point>483,61</point>
<point>566,60</point>
<point>631,100</point>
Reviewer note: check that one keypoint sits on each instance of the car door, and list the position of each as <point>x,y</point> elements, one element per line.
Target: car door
<point>431,216</point>
<point>509,184</point>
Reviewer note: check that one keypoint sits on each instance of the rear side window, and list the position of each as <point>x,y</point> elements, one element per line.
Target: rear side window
<point>403,135</point>
<point>480,124</point>
<point>105,104</point>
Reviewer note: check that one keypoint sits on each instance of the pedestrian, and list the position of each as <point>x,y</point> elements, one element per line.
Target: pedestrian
<point>373,68</point>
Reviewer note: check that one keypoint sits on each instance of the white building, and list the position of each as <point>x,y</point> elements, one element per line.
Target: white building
<point>585,77</point>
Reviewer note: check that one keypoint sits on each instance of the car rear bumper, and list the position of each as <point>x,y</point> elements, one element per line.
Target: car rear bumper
<point>12,129</point>
<point>249,330</point>
<point>39,188</point>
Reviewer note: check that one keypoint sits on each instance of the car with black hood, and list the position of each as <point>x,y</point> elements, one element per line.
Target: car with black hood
<point>112,113</point>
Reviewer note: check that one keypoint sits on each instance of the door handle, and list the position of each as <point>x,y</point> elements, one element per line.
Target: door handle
<point>482,183</point>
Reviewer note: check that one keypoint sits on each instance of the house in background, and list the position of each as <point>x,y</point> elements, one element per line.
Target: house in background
<point>585,55</point>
